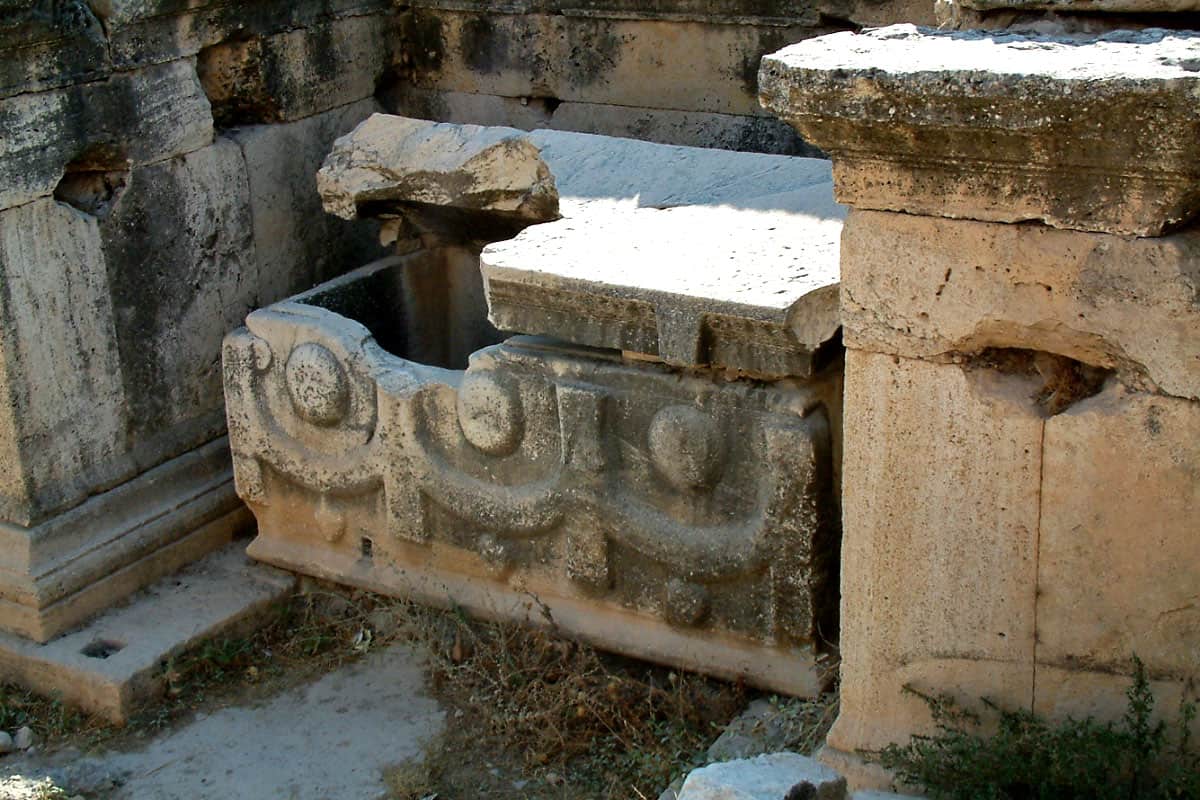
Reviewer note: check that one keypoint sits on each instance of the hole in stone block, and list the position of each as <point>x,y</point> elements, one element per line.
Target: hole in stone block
<point>233,75</point>
<point>1063,381</point>
<point>102,648</point>
<point>93,182</point>
<point>367,547</point>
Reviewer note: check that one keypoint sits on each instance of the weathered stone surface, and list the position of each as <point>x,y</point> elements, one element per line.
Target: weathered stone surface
<point>717,12</point>
<point>297,73</point>
<point>1092,134</point>
<point>763,727</point>
<point>941,476</point>
<point>776,776</point>
<point>454,180</point>
<point>128,119</point>
<point>697,285</point>
<point>46,45</point>
<point>58,363</point>
<point>601,488</point>
<point>1117,567</point>
<point>116,661</point>
<point>930,287</point>
<point>595,59</point>
<point>179,254</point>
<point>1075,6</point>
<point>60,572</point>
<point>296,244</point>
<point>145,32</point>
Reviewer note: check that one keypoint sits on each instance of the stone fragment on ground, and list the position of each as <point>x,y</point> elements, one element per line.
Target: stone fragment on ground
<point>762,728</point>
<point>6,743</point>
<point>331,739</point>
<point>1089,133</point>
<point>24,738</point>
<point>443,178</point>
<point>775,776</point>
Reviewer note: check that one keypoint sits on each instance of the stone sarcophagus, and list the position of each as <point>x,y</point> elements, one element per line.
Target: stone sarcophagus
<point>652,472</point>
<point>664,514</point>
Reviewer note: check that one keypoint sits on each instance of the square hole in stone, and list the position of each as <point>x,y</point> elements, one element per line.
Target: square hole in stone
<point>367,547</point>
<point>102,648</point>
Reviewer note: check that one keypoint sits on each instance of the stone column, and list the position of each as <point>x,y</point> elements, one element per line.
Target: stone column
<point>1019,304</point>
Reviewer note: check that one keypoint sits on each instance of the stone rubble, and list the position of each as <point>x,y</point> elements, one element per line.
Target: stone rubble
<point>776,776</point>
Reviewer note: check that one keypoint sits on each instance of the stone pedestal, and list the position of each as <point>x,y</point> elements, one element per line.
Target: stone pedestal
<point>1019,488</point>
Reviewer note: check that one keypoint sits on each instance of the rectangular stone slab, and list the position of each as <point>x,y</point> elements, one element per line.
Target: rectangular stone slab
<point>739,288</point>
<point>672,517</point>
<point>1099,134</point>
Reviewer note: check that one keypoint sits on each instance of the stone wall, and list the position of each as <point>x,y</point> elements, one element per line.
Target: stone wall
<point>673,71</point>
<point>157,172</point>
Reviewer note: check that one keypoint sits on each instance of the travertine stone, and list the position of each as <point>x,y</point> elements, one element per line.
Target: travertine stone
<point>941,473</point>
<point>181,271</point>
<point>145,32</point>
<point>1092,134</point>
<point>775,776</point>
<point>136,117</point>
<point>297,73</point>
<point>46,45</point>
<point>928,287</point>
<point>443,178</point>
<point>64,570</point>
<point>296,244</point>
<point>59,363</point>
<point>696,285</point>
<point>659,514</point>
<point>1117,561</point>
<point>596,59</point>
<point>115,663</point>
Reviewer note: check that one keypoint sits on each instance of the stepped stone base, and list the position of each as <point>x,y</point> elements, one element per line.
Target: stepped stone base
<point>58,573</point>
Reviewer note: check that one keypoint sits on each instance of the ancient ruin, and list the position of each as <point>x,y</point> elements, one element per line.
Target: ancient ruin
<point>835,344</point>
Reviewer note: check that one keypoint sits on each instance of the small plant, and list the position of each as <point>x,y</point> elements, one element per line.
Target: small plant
<point>1028,758</point>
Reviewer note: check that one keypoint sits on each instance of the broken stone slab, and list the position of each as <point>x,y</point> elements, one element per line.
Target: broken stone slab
<point>116,661</point>
<point>456,181</point>
<point>744,289</point>
<point>775,776</point>
<point>1095,134</point>
<point>930,287</point>
<point>128,119</point>
<point>660,515</point>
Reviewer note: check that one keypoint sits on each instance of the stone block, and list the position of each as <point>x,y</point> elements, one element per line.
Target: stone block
<point>941,475</point>
<point>59,364</point>
<point>115,663</point>
<point>658,514</point>
<point>452,180</point>
<point>739,289</point>
<point>929,287</point>
<point>1117,567</point>
<point>47,45</point>
<point>584,58</point>
<point>296,244</point>
<point>128,119</point>
<point>179,254</point>
<point>298,73</point>
<point>1086,133</point>
<point>143,32</point>
<point>776,776</point>
<point>62,571</point>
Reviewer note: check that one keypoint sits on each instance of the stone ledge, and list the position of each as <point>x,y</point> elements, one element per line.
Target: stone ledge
<point>115,661</point>
<point>1088,133</point>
